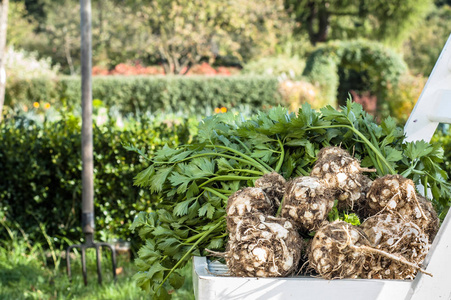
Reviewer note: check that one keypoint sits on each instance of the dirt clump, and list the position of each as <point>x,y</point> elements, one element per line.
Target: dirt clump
<point>264,246</point>
<point>390,233</point>
<point>273,184</point>
<point>343,174</point>
<point>247,202</point>
<point>307,202</point>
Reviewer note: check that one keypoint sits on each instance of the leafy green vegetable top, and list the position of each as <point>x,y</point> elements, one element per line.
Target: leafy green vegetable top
<point>194,181</point>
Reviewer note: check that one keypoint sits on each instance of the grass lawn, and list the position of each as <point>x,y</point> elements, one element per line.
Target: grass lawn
<point>26,272</point>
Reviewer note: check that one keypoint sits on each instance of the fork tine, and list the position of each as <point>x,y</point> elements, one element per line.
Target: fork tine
<point>98,258</point>
<point>69,273</point>
<point>83,265</point>
<point>113,258</point>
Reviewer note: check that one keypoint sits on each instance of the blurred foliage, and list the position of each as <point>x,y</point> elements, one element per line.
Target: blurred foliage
<point>194,94</point>
<point>402,98</point>
<point>40,177</point>
<point>387,21</point>
<point>443,136</point>
<point>423,47</point>
<point>290,66</point>
<point>20,25</point>
<point>186,32</point>
<point>295,93</point>
<point>176,34</point>
<point>334,66</point>
<point>22,65</point>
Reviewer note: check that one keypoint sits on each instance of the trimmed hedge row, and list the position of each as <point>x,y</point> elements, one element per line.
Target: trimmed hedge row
<point>40,175</point>
<point>190,94</point>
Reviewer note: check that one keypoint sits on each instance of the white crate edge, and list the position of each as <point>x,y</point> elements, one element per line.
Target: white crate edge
<point>208,286</point>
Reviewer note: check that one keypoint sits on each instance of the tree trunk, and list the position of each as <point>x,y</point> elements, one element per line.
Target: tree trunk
<point>319,15</point>
<point>3,27</point>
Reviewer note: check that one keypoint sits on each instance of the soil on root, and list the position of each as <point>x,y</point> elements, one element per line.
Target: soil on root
<point>332,254</point>
<point>397,194</point>
<point>247,202</point>
<point>264,246</point>
<point>307,202</point>
<point>343,174</point>
<point>273,184</point>
<point>390,233</point>
<point>354,199</point>
<point>431,224</point>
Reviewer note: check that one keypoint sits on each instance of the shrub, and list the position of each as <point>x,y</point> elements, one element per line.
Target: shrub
<point>193,94</point>
<point>276,66</point>
<point>20,65</point>
<point>40,174</point>
<point>321,70</point>
<point>296,93</point>
<point>402,98</point>
<point>336,65</point>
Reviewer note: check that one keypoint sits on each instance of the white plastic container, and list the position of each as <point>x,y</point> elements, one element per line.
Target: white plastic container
<point>432,107</point>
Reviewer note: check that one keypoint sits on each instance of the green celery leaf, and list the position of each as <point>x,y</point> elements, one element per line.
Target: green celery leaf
<point>192,191</point>
<point>144,178</point>
<point>147,251</point>
<point>139,220</point>
<point>416,149</point>
<point>165,153</point>
<point>392,154</point>
<point>176,280</point>
<point>181,208</point>
<point>161,294</point>
<point>160,178</point>
<point>165,216</point>
<point>169,246</point>
<point>215,244</point>
<point>159,231</point>
<point>207,209</point>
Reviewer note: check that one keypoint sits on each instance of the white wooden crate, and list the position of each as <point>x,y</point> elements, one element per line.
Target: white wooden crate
<point>433,107</point>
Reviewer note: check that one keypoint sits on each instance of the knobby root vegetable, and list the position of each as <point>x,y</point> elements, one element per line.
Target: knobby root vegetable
<point>341,250</point>
<point>307,202</point>
<point>273,184</point>
<point>247,202</point>
<point>343,174</point>
<point>263,246</point>
<point>431,224</point>
<point>390,233</point>
<point>397,194</point>
<point>332,254</point>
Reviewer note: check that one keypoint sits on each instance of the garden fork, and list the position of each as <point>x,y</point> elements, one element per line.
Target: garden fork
<point>89,243</point>
<point>87,217</point>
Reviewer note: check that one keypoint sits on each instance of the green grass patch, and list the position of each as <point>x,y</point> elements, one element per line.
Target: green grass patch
<point>27,272</point>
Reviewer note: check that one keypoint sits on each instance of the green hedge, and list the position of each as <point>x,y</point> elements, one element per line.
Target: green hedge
<point>40,175</point>
<point>191,94</point>
<point>375,65</point>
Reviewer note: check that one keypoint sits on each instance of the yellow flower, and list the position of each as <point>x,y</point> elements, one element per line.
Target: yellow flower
<point>223,109</point>
<point>36,104</point>
<point>217,110</point>
<point>47,105</point>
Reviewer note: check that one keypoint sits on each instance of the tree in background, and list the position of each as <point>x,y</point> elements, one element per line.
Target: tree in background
<point>3,28</point>
<point>385,20</point>
<point>423,47</point>
<point>188,31</point>
<point>62,29</point>
<point>21,26</point>
<point>176,34</point>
